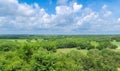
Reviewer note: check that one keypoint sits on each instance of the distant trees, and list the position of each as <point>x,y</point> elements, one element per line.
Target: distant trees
<point>116,38</point>
<point>103,45</point>
<point>100,45</point>
<point>66,44</point>
<point>51,45</point>
<point>85,45</point>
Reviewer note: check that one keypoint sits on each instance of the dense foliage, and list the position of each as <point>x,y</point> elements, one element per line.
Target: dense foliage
<point>40,54</point>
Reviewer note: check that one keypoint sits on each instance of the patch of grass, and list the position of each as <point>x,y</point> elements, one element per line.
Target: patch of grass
<point>116,43</point>
<point>94,43</point>
<point>67,50</point>
<point>115,50</point>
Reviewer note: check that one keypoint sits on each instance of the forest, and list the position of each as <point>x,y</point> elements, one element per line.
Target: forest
<point>59,53</point>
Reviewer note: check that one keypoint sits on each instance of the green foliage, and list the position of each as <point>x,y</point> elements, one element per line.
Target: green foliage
<point>103,45</point>
<point>9,46</point>
<point>112,46</point>
<point>86,45</point>
<point>66,43</point>
<point>43,61</point>
<point>39,54</point>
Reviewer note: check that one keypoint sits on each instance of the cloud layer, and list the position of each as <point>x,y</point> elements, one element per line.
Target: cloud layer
<point>69,18</point>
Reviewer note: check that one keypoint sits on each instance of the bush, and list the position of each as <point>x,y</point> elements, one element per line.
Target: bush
<point>111,46</point>
<point>8,46</point>
<point>64,44</point>
<point>85,45</point>
<point>43,61</point>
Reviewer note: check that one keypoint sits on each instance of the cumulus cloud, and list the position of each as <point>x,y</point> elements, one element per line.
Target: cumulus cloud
<point>106,12</point>
<point>118,20</point>
<point>67,18</point>
<point>76,7</point>
<point>22,15</point>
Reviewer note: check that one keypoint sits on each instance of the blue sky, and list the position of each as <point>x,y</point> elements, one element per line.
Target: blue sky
<point>59,16</point>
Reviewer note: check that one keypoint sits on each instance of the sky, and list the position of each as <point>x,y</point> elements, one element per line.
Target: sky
<point>59,17</point>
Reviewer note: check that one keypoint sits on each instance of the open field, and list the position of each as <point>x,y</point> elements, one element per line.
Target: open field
<point>117,43</point>
<point>68,50</point>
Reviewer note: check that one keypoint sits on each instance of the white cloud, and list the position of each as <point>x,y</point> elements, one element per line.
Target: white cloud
<point>63,10</point>
<point>104,6</point>
<point>87,18</point>
<point>118,20</point>
<point>106,12</point>
<point>21,15</point>
<point>76,7</point>
<point>67,18</point>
